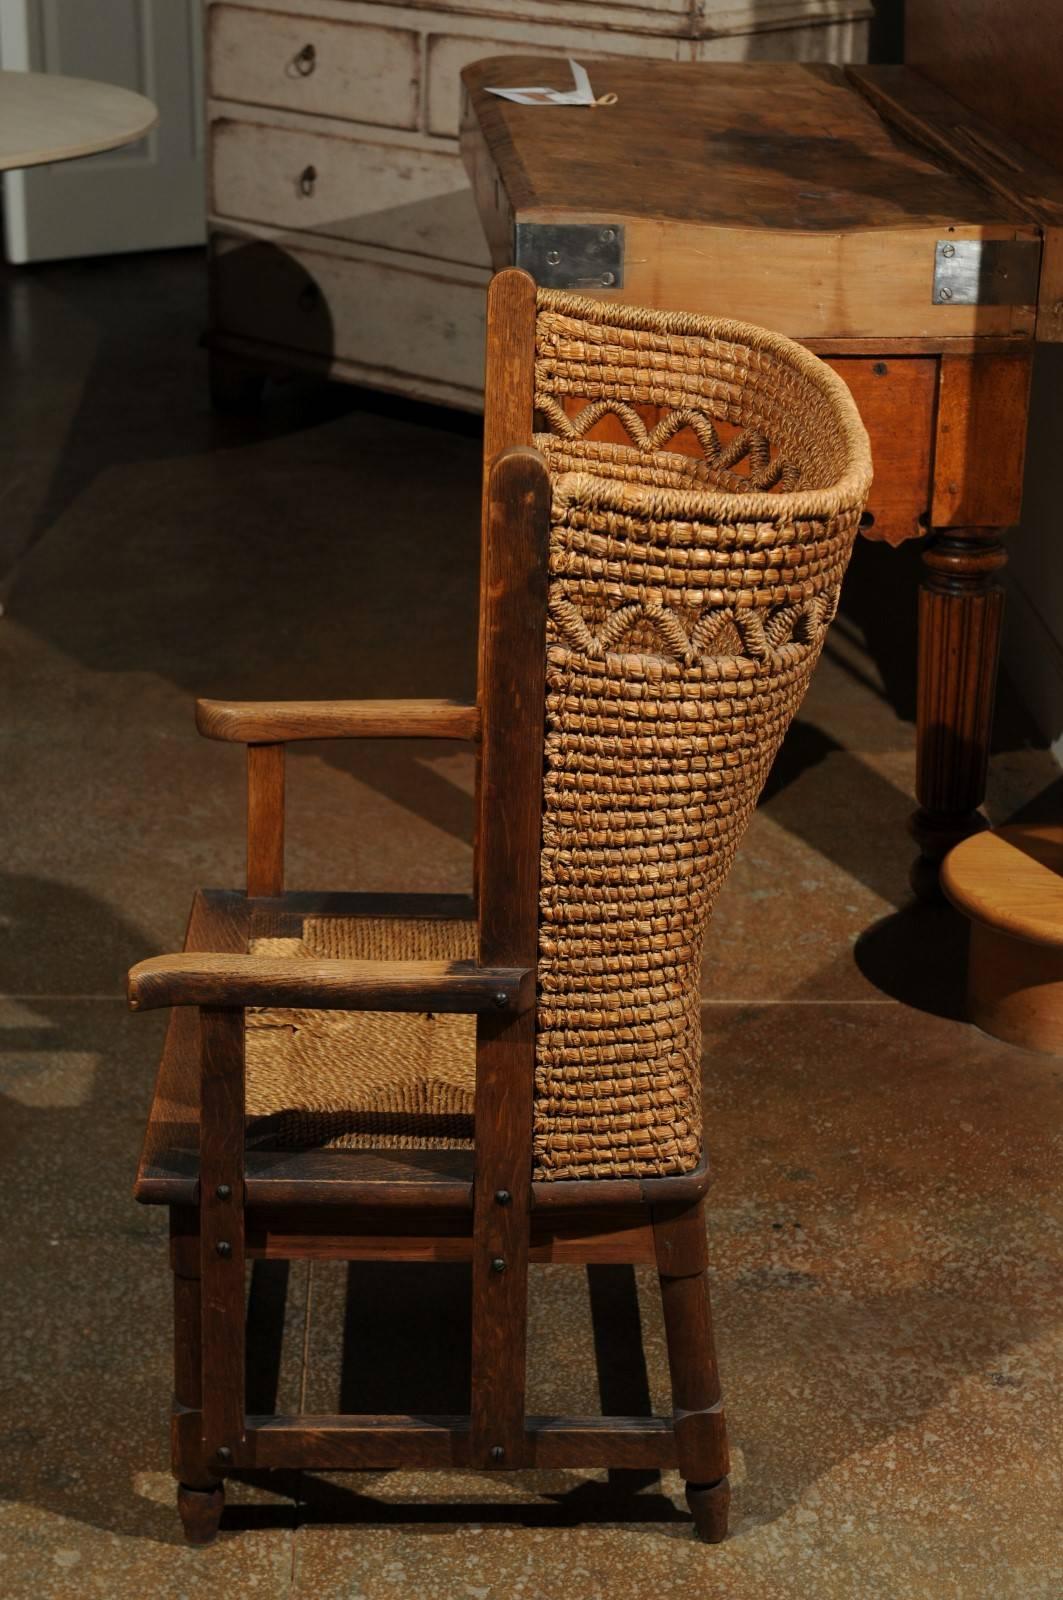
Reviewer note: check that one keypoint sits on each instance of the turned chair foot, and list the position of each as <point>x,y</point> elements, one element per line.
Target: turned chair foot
<point>709,1504</point>
<point>200,1511</point>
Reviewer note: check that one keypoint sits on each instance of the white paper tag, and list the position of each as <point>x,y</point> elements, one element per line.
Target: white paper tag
<point>537,95</point>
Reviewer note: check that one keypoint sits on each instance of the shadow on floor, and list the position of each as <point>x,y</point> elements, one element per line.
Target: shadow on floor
<point>56,939</point>
<point>115,343</point>
<point>104,1295</point>
<point>259,557</point>
<point>232,568</point>
<point>919,957</point>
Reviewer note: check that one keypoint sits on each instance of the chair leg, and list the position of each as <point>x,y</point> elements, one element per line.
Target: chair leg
<point>709,1506</point>
<point>700,1430</point>
<point>200,1511</point>
<point>200,1495</point>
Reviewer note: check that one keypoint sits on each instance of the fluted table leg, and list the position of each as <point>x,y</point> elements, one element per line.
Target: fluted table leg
<point>961,606</point>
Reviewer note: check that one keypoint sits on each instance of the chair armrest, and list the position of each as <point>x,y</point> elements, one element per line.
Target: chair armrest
<point>282,721</point>
<point>201,979</point>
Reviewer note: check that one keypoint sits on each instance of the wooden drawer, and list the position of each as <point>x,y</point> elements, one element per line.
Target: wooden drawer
<point>416,201</point>
<point>359,72</point>
<point>390,322</point>
<point>896,399</point>
<point>840,38</point>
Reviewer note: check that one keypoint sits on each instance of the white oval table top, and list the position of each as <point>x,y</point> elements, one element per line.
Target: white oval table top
<point>44,117</point>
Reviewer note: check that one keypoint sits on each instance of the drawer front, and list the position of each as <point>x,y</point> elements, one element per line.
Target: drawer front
<point>395,322</point>
<point>896,399</point>
<point>356,71</point>
<point>416,201</point>
<point>820,39</point>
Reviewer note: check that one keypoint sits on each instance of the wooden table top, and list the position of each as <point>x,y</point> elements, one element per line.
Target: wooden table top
<point>767,144</point>
<point>45,117</point>
<point>693,158</point>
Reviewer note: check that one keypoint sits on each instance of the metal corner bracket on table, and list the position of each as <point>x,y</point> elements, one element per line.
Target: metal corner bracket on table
<point>582,256</point>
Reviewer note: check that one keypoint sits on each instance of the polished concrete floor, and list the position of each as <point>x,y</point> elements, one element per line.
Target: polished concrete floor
<point>885,1223</point>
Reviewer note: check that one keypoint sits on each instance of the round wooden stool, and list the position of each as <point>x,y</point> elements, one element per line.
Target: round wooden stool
<point>1009,884</point>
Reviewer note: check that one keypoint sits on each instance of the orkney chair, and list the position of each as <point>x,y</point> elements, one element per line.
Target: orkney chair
<point>514,1077</point>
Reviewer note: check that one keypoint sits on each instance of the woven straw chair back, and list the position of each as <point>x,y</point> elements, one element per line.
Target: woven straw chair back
<point>708,481</point>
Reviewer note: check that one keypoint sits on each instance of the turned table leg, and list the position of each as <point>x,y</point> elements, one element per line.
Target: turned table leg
<point>961,605</point>
<point>976,492</point>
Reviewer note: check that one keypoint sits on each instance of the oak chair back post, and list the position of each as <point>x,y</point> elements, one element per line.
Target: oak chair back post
<point>513,1077</point>
<point>508,778</point>
<point>509,393</point>
<point>513,655</point>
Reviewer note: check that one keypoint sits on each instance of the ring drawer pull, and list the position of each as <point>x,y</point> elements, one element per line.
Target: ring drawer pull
<point>307,180</point>
<point>306,61</point>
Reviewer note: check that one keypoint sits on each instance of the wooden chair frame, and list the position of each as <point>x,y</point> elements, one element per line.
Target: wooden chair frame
<point>229,1205</point>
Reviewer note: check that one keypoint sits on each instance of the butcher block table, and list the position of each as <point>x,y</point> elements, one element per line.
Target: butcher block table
<point>865,213</point>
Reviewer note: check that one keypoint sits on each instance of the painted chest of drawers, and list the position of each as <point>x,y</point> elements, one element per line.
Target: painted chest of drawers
<point>343,235</point>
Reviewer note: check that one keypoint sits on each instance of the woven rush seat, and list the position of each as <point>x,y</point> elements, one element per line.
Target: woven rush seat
<point>362,1079</point>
